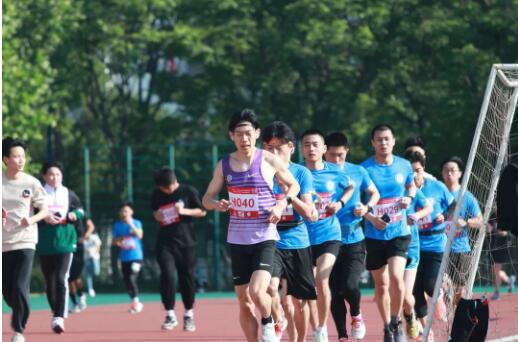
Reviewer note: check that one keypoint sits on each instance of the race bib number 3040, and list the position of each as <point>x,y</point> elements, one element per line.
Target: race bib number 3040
<point>244,202</point>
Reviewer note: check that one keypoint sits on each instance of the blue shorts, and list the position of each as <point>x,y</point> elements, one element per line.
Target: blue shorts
<point>412,260</point>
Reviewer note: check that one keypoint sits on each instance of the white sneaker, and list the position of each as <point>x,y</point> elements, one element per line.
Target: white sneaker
<point>18,337</point>
<point>58,325</point>
<point>188,324</point>
<point>358,328</point>
<point>91,293</point>
<point>75,309</point>
<point>136,307</point>
<point>280,327</point>
<point>82,302</point>
<point>169,323</point>
<point>320,335</point>
<point>269,333</point>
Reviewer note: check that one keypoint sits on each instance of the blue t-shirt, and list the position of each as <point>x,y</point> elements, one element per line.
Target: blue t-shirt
<point>296,237</point>
<point>390,179</point>
<point>418,203</point>
<point>350,224</point>
<point>469,209</point>
<point>329,184</point>
<point>131,248</point>
<point>440,197</point>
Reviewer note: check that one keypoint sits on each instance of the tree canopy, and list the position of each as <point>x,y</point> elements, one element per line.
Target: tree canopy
<point>126,72</point>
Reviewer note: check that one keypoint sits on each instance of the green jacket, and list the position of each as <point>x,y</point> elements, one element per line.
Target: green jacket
<point>60,238</point>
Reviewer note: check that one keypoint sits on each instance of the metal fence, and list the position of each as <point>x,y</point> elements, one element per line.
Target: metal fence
<point>125,173</point>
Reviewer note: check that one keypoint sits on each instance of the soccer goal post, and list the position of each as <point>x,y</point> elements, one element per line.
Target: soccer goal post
<point>487,156</point>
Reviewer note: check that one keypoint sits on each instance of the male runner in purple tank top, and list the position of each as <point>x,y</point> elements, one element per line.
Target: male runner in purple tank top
<point>254,212</point>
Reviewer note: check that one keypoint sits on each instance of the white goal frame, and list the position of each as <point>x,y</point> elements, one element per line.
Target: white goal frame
<point>497,70</point>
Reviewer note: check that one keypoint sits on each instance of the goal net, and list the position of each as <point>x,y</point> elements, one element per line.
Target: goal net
<point>489,152</point>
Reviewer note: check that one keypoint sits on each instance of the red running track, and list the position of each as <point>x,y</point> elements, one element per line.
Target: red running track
<point>216,320</point>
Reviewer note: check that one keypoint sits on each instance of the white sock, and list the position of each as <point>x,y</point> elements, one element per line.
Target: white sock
<point>135,300</point>
<point>189,313</point>
<point>58,320</point>
<point>321,329</point>
<point>171,314</point>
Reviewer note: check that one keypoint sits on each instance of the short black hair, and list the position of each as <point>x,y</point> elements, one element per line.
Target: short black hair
<point>51,164</point>
<point>415,141</point>
<point>240,117</point>
<point>8,143</point>
<point>454,159</point>
<point>381,127</point>
<point>336,139</point>
<point>415,157</point>
<point>279,130</point>
<point>164,177</point>
<point>312,131</point>
<point>126,204</point>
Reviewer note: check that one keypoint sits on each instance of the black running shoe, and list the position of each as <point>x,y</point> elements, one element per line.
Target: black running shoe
<point>388,336</point>
<point>397,331</point>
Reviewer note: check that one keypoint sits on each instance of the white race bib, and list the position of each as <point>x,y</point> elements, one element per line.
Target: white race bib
<point>128,243</point>
<point>57,208</point>
<point>389,206</point>
<point>287,213</point>
<point>449,225</point>
<point>425,222</point>
<point>323,202</point>
<point>244,202</point>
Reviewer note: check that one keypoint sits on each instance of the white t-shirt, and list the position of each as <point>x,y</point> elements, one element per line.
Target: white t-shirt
<point>19,199</point>
<point>92,246</point>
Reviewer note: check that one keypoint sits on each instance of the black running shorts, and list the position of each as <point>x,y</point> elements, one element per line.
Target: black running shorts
<point>295,265</point>
<point>78,262</point>
<point>379,251</point>
<point>331,247</point>
<point>458,268</point>
<point>246,259</point>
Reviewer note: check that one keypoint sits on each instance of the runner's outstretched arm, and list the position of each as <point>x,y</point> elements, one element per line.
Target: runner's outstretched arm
<point>216,184</point>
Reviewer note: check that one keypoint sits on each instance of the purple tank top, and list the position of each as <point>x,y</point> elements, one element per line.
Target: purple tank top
<point>249,197</point>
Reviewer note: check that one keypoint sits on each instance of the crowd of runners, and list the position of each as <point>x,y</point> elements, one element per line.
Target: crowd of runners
<point>313,228</point>
<point>299,236</point>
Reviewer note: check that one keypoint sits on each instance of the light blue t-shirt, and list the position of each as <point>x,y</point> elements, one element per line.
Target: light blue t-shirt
<point>418,203</point>
<point>329,184</point>
<point>350,224</point>
<point>469,209</point>
<point>296,237</point>
<point>440,197</point>
<point>131,249</point>
<point>391,181</point>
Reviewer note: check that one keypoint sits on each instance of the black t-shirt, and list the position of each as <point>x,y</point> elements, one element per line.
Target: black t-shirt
<point>176,229</point>
<point>496,241</point>
<point>75,203</point>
